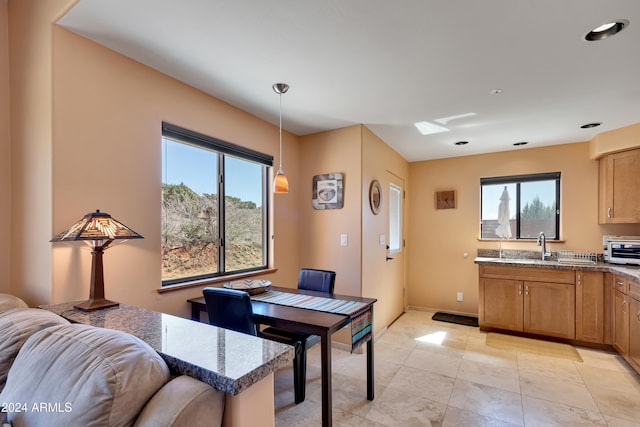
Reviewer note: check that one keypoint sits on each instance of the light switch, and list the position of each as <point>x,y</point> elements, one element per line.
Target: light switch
<point>344,240</point>
<point>382,240</point>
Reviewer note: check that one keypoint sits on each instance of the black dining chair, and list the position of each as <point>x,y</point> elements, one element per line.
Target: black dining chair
<point>311,280</point>
<point>231,309</point>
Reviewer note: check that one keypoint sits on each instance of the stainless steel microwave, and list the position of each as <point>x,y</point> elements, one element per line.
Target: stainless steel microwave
<point>622,249</point>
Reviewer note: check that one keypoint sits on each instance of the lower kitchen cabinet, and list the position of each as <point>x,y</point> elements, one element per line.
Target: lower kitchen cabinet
<point>501,304</point>
<point>633,297</point>
<point>620,323</point>
<point>549,309</point>
<point>634,333</point>
<point>590,306</point>
<point>538,307</point>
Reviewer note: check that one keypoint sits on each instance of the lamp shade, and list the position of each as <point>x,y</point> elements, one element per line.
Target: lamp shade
<point>96,226</point>
<point>280,183</point>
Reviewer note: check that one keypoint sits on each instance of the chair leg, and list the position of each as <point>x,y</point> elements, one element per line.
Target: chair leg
<point>300,376</point>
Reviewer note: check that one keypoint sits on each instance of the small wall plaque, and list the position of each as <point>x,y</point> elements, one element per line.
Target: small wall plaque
<point>445,199</point>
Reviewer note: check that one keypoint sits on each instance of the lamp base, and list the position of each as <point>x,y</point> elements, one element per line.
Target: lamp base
<point>95,304</point>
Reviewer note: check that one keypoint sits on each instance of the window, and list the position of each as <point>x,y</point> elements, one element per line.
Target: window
<point>395,218</point>
<point>203,237</point>
<point>533,206</point>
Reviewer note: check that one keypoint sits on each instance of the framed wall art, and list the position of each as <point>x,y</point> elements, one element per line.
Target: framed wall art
<point>445,199</point>
<point>327,191</point>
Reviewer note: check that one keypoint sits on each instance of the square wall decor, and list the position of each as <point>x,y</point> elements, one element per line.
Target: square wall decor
<point>327,191</point>
<point>445,199</point>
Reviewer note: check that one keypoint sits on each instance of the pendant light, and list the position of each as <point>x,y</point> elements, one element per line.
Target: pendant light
<point>280,183</point>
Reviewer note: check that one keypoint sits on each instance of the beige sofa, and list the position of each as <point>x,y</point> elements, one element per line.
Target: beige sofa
<point>53,373</point>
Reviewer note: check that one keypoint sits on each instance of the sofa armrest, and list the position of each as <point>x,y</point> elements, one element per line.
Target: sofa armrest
<point>183,401</point>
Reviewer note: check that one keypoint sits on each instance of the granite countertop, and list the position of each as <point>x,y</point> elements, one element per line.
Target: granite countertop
<point>224,359</point>
<point>626,271</point>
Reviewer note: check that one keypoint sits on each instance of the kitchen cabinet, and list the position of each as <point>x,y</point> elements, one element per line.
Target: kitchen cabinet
<point>634,324</point>
<point>618,196</point>
<point>590,306</point>
<point>537,301</point>
<point>620,322</point>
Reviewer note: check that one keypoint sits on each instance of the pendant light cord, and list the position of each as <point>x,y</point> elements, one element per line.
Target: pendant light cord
<point>280,131</point>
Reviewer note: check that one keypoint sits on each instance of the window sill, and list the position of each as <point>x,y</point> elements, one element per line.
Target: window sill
<point>517,240</point>
<point>213,280</point>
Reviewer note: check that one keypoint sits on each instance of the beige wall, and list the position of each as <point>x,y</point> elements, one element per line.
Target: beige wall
<point>381,279</point>
<point>30,60</point>
<point>439,239</point>
<point>336,151</point>
<point>361,270</point>
<point>106,155</point>
<point>621,139</point>
<point>5,154</point>
<point>85,135</point>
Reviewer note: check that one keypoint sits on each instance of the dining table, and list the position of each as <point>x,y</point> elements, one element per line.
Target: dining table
<point>316,313</point>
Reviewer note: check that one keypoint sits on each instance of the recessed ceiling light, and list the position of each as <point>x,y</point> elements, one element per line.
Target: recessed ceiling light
<point>520,143</point>
<point>495,91</point>
<point>427,128</point>
<point>461,143</point>
<point>606,30</point>
<point>590,125</point>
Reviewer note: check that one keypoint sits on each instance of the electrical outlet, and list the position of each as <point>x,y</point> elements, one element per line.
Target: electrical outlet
<point>460,297</point>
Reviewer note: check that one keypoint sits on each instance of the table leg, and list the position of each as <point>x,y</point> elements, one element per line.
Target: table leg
<point>370,376</point>
<point>325,349</point>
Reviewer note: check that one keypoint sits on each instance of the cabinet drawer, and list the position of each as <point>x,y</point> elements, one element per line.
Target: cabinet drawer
<point>633,289</point>
<point>526,273</point>
<point>620,284</point>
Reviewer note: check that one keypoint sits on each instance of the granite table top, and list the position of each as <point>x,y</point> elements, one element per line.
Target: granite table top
<point>626,271</point>
<point>224,359</point>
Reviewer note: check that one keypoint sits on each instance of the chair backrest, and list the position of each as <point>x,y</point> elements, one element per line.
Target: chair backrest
<point>230,309</point>
<point>317,280</point>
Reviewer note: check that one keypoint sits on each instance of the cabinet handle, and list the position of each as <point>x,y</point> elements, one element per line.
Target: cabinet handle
<point>609,213</point>
<point>638,316</point>
<point>526,290</point>
<point>623,304</point>
<point>619,283</point>
<point>579,279</point>
<point>519,289</point>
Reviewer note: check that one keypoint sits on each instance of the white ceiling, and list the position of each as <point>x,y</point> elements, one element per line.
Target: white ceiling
<point>387,64</point>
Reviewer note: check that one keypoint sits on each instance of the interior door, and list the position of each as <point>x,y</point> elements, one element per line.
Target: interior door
<point>395,267</point>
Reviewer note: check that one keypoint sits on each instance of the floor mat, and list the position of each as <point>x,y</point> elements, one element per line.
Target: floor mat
<point>456,318</point>
<point>530,345</point>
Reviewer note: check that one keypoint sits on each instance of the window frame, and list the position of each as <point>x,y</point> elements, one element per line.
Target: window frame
<point>517,180</point>
<point>223,150</point>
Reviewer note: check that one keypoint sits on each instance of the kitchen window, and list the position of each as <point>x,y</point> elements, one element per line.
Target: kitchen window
<point>520,207</point>
<point>214,207</point>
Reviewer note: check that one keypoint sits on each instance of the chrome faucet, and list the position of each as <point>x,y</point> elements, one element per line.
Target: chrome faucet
<point>542,241</point>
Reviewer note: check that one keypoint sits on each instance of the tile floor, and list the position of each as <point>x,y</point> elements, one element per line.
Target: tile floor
<point>463,382</point>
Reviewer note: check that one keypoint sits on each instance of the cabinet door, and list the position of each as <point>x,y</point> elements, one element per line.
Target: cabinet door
<point>501,304</point>
<point>549,309</point>
<point>620,323</point>
<point>634,332</point>
<point>619,180</point>
<point>590,306</point>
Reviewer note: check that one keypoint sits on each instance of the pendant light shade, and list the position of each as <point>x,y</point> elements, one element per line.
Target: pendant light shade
<point>280,182</point>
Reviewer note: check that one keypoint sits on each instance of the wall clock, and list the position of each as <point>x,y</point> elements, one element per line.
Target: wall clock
<point>445,199</point>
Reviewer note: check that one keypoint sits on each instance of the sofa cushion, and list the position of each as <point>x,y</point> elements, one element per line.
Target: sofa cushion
<point>16,326</point>
<point>184,401</point>
<point>84,376</point>
<point>8,301</point>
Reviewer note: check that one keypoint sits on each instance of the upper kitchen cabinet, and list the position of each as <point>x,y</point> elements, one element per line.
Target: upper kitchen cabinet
<point>619,188</point>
